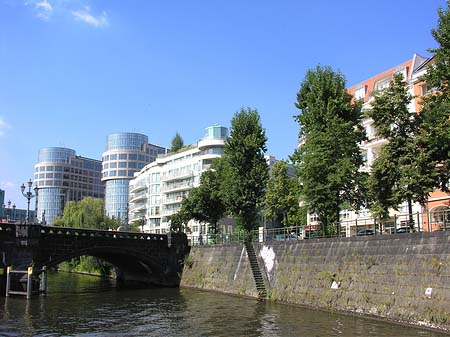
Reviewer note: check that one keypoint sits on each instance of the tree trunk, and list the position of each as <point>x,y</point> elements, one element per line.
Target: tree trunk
<point>410,214</point>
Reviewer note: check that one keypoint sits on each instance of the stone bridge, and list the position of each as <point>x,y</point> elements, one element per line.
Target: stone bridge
<point>150,259</point>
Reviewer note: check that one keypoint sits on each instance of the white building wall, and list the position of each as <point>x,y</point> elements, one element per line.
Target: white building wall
<point>169,180</point>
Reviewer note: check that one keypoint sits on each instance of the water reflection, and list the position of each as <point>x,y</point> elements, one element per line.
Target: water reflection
<point>85,306</point>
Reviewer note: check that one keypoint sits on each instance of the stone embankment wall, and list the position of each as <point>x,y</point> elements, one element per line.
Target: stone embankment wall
<point>404,277</point>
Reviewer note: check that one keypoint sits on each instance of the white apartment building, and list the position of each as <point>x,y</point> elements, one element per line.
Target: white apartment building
<point>156,192</point>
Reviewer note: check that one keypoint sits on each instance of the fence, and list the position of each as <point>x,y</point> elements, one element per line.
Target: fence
<point>397,224</point>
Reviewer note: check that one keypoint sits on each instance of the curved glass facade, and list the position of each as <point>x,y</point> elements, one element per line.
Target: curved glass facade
<point>55,154</point>
<point>63,176</point>
<point>126,153</point>
<point>126,141</point>
<point>116,198</point>
<point>50,204</point>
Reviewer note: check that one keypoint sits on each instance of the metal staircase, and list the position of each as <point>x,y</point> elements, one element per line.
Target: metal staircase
<point>257,275</point>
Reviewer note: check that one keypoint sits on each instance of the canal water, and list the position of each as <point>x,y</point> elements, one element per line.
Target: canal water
<point>79,305</point>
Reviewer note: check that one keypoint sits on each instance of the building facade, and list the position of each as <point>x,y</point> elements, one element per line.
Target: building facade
<point>62,176</point>
<point>156,192</point>
<point>126,153</point>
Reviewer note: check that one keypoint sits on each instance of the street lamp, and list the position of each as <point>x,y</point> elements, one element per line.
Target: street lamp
<point>14,212</point>
<point>29,195</point>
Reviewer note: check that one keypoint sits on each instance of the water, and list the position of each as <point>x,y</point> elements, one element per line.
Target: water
<point>79,305</point>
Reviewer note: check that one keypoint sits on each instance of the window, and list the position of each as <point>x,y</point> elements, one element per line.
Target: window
<point>122,156</point>
<point>401,70</point>
<point>122,173</point>
<point>382,84</point>
<point>113,165</point>
<point>426,89</point>
<point>122,164</point>
<point>132,156</point>
<point>132,164</point>
<point>113,157</point>
<point>360,93</point>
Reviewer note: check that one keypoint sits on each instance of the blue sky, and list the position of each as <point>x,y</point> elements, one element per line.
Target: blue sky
<point>73,71</point>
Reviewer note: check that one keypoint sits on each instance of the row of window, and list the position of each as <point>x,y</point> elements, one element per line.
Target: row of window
<point>123,164</point>
<point>127,156</point>
<point>118,173</point>
<point>59,183</point>
<point>52,168</point>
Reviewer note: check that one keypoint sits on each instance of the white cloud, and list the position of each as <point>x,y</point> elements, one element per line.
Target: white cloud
<point>3,126</point>
<point>8,184</point>
<point>43,8</point>
<point>86,16</point>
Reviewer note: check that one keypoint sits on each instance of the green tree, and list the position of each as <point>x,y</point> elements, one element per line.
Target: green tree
<point>246,171</point>
<point>329,157</point>
<point>177,143</point>
<point>435,131</point>
<point>282,195</point>
<point>86,213</point>
<point>400,172</point>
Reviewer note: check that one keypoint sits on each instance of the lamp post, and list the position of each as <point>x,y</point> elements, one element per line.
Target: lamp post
<point>14,213</point>
<point>29,195</point>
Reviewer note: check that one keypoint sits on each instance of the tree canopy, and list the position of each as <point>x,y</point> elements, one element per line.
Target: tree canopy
<point>86,213</point>
<point>246,170</point>
<point>435,131</point>
<point>329,157</point>
<point>177,143</point>
<point>281,200</point>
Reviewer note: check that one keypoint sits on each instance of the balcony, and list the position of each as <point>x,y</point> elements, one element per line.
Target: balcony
<point>137,208</point>
<point>172,177</point>
<point>138,187</point>
<point>171,201</point>
<point>210,142</point>
<point>138,196</point>
<point>374,141</point>
<point>183,186</point>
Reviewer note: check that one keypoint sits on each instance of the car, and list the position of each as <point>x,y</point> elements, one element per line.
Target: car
<point>365,231</point>
<point>402,230</point>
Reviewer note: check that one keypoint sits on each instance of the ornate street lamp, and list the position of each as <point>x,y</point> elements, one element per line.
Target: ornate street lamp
<point>29,195</point>
<point>14,213</point>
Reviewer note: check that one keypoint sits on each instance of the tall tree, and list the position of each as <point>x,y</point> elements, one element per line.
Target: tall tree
<point>400,172</point>
<point>247,170</point>
<point>435,135</point>
<point>282,195</point>
<point>177,143</point>
<point>329,158</point>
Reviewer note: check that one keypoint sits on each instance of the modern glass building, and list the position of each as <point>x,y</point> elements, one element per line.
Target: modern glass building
<point>62,176</point>
<point>126,153</point>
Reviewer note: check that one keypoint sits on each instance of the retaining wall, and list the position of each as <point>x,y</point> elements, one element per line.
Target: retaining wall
<point>402,277</point>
